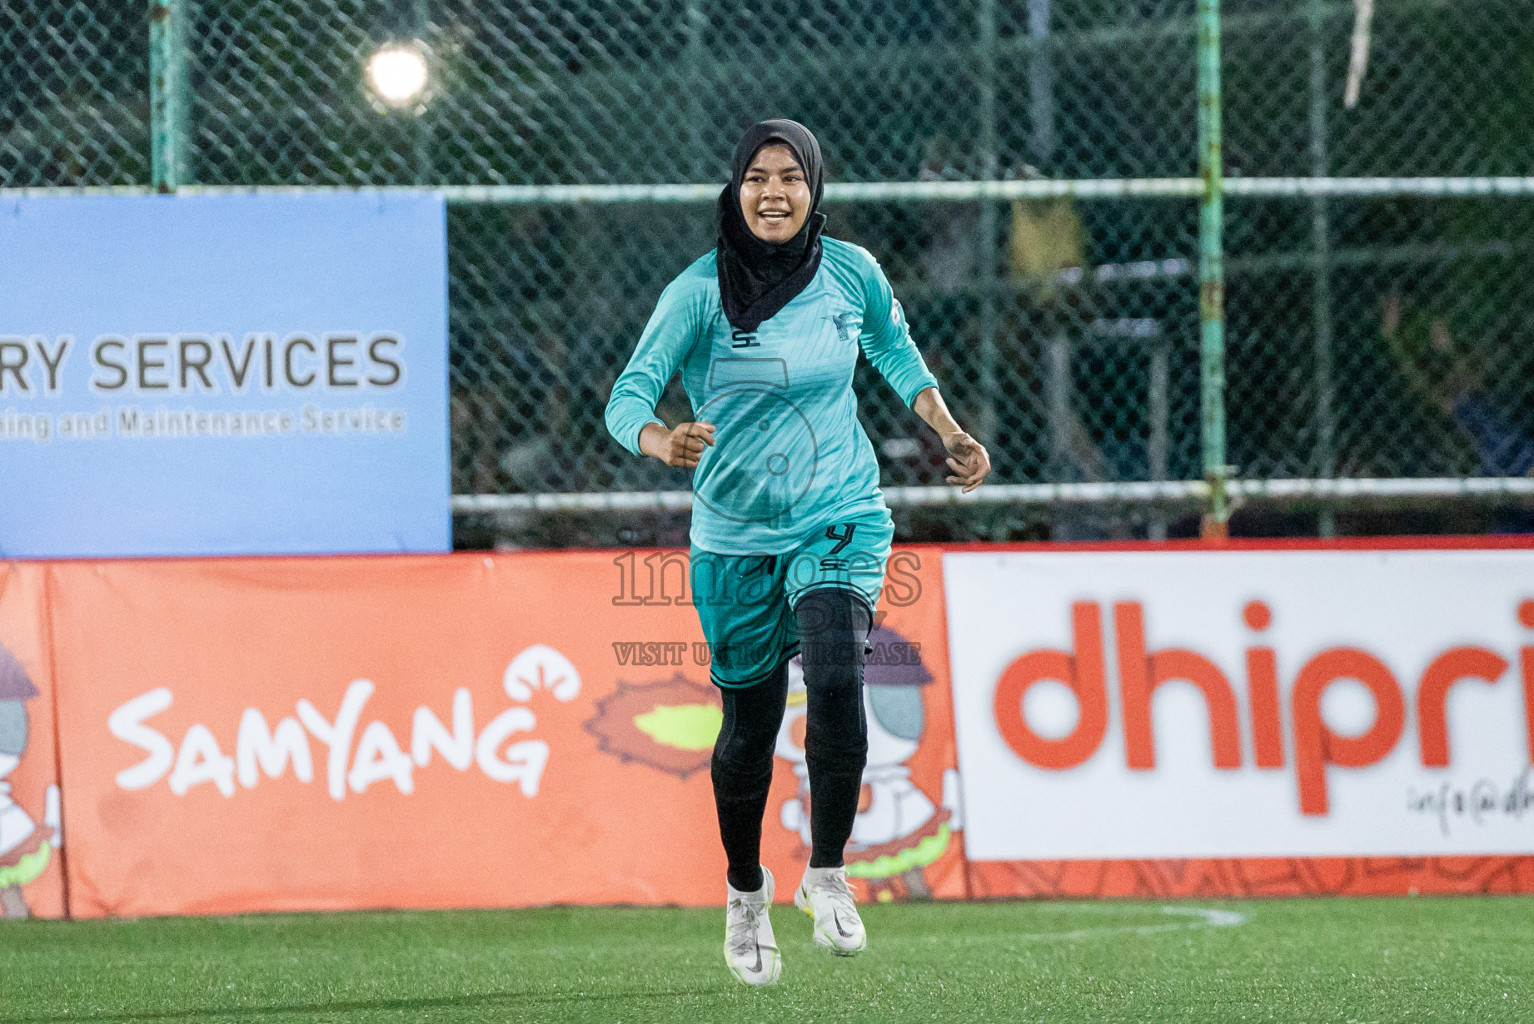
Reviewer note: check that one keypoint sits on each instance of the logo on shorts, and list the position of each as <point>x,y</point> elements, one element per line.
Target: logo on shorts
<point>831,563</point>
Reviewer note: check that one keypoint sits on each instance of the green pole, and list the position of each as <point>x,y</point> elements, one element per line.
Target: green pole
<point>167,98</point>
<point>1211,266</point>
<point>1325,459</point>
<point>985,259</point>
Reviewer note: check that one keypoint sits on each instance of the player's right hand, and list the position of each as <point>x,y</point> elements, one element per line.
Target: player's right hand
<point>684,445</point>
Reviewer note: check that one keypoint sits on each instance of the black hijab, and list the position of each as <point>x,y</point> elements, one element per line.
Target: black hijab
<point>758,278</point>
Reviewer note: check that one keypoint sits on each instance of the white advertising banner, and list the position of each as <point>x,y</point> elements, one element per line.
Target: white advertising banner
<point>1243,703</point>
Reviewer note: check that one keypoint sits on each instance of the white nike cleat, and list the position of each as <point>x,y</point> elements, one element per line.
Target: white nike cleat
<point>749,947</point>
<point>824,895</point>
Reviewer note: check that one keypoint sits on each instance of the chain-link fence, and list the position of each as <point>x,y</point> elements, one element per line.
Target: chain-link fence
<point>1375,330</point>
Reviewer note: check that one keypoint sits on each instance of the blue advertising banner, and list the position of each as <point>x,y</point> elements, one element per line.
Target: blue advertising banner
<point>220,375</point>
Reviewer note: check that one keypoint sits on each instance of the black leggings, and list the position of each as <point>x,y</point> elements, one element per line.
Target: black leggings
<point>834,624</point>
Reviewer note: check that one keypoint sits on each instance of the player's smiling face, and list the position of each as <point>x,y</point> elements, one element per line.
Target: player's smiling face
<point>775,197</point>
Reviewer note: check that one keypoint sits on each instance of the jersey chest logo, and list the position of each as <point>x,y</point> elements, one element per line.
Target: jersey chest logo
<point>845,324</point>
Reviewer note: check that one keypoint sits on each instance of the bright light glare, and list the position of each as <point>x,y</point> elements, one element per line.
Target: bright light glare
<point>397,74</point>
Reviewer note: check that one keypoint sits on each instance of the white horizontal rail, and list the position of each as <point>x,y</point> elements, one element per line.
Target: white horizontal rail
<point>876,191</point>
<point>1082,188</point>
<point>1280,187</point>
<point>1134,492</point>
<point>1398,487</point>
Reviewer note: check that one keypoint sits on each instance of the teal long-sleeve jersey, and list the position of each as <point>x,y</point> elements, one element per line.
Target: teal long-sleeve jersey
<point>789,454</point>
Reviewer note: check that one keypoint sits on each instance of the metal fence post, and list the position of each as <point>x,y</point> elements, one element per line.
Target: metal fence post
<point>701,138</point>
<point>1158,391</point>
<point>985,256</point>
<point>1057,344</point>
<point>167,93</point>
<point>1057,396</point>
<point>1211,264</point>
<point>1321,286</point>
<point>1041,83</point>
<point>424,171</point>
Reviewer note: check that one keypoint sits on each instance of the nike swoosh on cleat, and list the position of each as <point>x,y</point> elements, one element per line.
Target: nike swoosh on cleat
<point>758,968</point>
<point>838,922</point>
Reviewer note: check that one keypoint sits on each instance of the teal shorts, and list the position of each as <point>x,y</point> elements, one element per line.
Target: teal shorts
<point>746,602</point>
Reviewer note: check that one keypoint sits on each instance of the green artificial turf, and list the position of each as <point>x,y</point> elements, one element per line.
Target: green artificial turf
<point>1386,960</point>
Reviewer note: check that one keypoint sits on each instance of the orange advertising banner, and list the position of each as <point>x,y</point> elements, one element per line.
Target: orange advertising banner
<point>450,731</point>
<point>31,876</point>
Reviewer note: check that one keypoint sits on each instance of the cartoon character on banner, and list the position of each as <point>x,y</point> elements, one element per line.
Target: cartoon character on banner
<point>898,831</point>
<point>24,848</point>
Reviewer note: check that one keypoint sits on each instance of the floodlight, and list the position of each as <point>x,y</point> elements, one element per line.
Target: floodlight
<point>398,74</point>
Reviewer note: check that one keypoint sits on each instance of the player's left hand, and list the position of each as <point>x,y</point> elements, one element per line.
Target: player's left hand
<point>968,461</point>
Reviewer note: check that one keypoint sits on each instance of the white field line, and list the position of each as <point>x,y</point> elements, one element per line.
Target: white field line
<point>1204,917</point>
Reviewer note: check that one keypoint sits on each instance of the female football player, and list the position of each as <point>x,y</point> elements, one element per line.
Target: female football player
<point>790,531</point>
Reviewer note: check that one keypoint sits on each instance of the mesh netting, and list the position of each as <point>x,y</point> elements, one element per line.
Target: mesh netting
<point>1422,368</point>
<point>74,93</point>
<point>1385,336</point>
